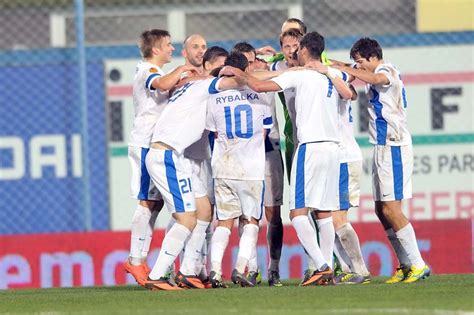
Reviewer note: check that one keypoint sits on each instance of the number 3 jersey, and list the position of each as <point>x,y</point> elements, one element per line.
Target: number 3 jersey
<point>239,118</point>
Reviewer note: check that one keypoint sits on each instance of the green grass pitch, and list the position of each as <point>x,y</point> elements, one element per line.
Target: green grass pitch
<point>439,294</point>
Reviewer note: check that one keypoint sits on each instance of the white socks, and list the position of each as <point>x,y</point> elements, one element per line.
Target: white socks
<point>219,242</point>
<point>326,239</point>
<point>349,241</point>
<point>344,260</point>
<point>247,244</point>
<point>192,250</point>
<point>140,223</point>
<point>253,261</point>
<point>407,238</point>
<point>275,242</point>
<point>307,238</point>
<point>149,234</point>
<point>172,245</point>
<point>398,248</point>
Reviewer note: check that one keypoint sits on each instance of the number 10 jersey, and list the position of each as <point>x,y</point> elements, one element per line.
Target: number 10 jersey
<point>239,117</point>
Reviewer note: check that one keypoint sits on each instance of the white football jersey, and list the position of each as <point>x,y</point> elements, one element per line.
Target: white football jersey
<point>315,103</point>
<point>148,103</point>
<point>183,120</point>
<point>388,109</point>
<point>350,149</point>
<point>239,117</point>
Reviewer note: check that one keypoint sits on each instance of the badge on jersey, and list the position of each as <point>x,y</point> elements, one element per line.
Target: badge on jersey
<point>153,70</point>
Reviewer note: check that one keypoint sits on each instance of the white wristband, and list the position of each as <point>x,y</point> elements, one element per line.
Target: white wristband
<point>332,73</point>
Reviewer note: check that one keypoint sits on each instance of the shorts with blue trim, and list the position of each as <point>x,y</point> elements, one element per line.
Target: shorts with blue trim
<point>239,197</point>
<point>172,175</point>
<point>142,187</point>
<point>315,176</point>
<point>349,184</point>
<point>392,171</point>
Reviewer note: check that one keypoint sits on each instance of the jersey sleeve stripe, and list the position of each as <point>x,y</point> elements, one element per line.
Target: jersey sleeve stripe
<point>273,67</point>
<point>149,81</point>
<point>212,87</point>
<point>268,121</point>
<point>344,76</point>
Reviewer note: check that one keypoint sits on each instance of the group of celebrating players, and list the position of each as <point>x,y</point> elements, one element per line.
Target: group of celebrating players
<point>205,141</point>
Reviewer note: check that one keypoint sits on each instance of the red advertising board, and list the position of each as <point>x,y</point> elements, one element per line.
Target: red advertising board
<point>88,259</point>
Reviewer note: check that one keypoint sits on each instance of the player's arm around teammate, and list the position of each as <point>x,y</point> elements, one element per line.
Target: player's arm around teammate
<point>273,196</point>
<point>238,164</point>
<point>393,154</point>
<point>149,97</point>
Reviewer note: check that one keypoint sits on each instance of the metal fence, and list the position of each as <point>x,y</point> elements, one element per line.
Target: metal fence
<point>57,135</point>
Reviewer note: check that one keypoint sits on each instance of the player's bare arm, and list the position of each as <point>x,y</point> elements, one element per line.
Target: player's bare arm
<point>341,86</point>
<point>365,75</point>
<point>252,82</point>
<point>168,81</point>
<point>267,75</point>
<point>354,93</point>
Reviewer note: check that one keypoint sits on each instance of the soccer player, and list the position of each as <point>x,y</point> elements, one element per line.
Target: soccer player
<point>289,43</point>
<point>181,123</point>
<point>315,170</point>
<point>200,155</point>
<point>273,198</point>
<point>347,246</point>
<point>238,117</point>
<point>393,154</point>
<point>150,94</point>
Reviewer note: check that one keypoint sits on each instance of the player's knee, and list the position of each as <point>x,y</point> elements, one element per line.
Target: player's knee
<point>187,219</point>
<point>339,218</point>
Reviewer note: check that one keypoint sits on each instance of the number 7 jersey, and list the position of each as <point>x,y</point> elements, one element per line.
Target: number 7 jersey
<point>239,118</point>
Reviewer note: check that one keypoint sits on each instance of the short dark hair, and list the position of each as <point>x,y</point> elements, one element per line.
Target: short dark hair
<point>292,32</point>
<point>215,72</point>
<point>214,52</point>
<point>148,40</point>
<point>243,47</point>
<point>314,43</point>
<point>302,29</point>
<point>237,60</point>
<point>366,48</point>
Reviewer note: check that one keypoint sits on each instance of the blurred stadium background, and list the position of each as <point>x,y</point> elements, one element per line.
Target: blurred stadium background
<point>66,69</point>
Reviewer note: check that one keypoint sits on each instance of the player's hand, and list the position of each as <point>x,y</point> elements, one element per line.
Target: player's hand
<point>341,66</point>
<point>189,69</point>
<point>231,71</point>
<point>318,66</point>
<point>266,50</point>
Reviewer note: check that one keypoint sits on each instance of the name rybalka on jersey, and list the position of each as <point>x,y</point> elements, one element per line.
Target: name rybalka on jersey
<point>237,97</point>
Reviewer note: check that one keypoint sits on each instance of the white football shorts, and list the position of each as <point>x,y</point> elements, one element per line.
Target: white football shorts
<point>239,197</point>
<point>315,176</point>
<point>202,179</point>
<point>142,186</point>
<point>349,184</point>
<point>273,179</point>
<point>172,174</point>
<point>392,171</point>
